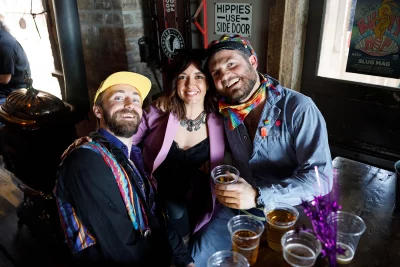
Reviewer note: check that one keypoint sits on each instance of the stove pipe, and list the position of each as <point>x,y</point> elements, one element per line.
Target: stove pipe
<point>69,38</point>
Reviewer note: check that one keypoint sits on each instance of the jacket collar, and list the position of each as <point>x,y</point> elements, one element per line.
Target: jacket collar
<point>275,91</point>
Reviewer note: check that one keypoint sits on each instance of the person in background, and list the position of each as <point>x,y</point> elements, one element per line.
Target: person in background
<point>13,63</point>
<point>107,202</point>
<point>276,136</point>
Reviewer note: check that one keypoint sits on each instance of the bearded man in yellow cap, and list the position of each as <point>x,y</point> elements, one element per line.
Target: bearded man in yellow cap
<point>106,201</point>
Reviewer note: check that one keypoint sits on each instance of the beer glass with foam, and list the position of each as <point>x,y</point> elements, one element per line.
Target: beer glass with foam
<point>281,217</point>
<point>245,233</point>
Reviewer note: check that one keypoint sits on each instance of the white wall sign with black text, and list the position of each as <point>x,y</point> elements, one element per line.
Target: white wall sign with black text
<point>233,18</point>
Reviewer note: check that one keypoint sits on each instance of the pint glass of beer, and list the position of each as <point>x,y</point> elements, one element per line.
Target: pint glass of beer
<point>281,218</point>
<point>245,234</point>
<point>222,174</point>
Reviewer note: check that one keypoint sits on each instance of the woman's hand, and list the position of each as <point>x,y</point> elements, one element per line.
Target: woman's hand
<point>160,103</point>
<point>76,143</point>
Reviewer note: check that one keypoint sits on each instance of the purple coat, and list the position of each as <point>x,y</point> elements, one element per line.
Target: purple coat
<point>158,130</point>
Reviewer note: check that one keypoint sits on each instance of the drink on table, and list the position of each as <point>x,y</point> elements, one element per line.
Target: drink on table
<point>247,247</point>
<point>281,218</point>
<point>300,248</point>
<point>245,234</point>
<point>349,229</point>
<point>227,258</point>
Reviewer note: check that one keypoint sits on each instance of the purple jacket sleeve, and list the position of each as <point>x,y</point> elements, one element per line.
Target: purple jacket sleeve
<point>148,118</point>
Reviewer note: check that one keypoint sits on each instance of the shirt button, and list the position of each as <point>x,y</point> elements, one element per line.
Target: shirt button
<point>245,137</point>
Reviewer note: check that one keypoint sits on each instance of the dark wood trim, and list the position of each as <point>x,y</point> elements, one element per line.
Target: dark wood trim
<point>286,39</point>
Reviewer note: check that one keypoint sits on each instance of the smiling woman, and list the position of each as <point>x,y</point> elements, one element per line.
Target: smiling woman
<point>191,143</point>
<point>191,85</point>
<point>189,88</point>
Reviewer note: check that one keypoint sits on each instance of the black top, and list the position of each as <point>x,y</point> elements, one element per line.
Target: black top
<point>14,61</point>
<point>179,173</point>
<point>85,181</point>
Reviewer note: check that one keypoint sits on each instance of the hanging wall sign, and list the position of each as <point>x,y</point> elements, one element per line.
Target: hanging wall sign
<point>171,42</point>
<point>375,39</point>
<point>233,18</point>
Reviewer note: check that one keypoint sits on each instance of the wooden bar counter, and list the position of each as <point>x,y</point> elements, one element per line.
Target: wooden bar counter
<point>368,192</point>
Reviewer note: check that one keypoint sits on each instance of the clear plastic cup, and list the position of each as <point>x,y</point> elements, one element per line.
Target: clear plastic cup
<point>350,227</point>
<point>245,233</point>
<point>221,174</point>
<point>227,258</point>
<point>281,218</point>
<point>300,248</point>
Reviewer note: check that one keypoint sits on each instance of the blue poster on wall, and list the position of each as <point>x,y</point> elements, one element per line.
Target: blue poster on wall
<point>375,39</point>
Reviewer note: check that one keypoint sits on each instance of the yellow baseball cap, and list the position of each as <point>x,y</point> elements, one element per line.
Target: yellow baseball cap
<point>140,82</point>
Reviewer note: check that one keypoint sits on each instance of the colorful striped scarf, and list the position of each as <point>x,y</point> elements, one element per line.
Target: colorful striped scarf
<point>77,235</point>
<point>237,113</point>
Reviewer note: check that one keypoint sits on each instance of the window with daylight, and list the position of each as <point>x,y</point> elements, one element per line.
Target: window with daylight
<point>334,46</point>
<point>31,32</point>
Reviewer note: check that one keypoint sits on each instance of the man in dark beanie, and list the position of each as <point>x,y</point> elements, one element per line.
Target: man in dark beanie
<point>277,137</point>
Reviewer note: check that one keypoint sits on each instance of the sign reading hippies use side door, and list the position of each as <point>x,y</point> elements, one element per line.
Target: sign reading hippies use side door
<point>233,18</point>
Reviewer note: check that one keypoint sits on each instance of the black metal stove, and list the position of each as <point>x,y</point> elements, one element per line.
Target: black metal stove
<point>38,127</point>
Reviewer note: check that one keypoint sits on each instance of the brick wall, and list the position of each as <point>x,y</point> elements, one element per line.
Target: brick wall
<point>110,32</point>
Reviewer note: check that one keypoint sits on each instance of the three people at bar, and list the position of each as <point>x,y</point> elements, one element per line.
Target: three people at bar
<point>274,136</point>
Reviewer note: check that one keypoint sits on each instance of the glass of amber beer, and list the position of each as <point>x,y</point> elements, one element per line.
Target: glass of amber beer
<point>227,258</point>
<point>281,218</point>
<point>245,234</point>
<point>222,174</point>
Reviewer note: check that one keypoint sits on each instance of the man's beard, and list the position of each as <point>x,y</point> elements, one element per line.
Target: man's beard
<point>121,127</point>
<point>248,79</point>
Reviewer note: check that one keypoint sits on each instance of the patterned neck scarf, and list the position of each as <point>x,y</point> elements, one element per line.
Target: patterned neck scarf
<point>237,113</point>
<point>77,235</point>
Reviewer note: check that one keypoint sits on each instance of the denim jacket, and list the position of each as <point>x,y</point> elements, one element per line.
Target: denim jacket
<point>282,163</point>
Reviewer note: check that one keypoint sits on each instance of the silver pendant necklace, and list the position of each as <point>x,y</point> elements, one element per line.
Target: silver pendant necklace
<point>194,124</point>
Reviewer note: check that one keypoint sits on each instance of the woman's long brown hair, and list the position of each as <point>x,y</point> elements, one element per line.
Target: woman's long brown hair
<point>171,99</point>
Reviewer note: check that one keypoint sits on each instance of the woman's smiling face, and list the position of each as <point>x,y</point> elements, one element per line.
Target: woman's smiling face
<point>191,84</point>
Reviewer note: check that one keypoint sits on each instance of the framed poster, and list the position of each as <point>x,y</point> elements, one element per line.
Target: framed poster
<point>374,43</point>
